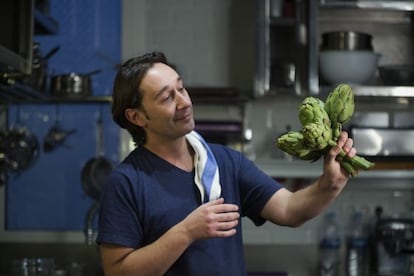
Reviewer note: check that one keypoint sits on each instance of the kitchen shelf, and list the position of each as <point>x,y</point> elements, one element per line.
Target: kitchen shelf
<point>281,168</point>
<point>378,91</point>
<point>374,5</point>
<point>19,93</point>
<point>385,91</point>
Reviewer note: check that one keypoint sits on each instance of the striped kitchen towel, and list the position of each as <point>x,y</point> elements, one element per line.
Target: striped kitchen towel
<point>207,177</point>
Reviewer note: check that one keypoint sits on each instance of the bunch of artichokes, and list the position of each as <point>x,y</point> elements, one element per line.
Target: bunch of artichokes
<point>321,126</point>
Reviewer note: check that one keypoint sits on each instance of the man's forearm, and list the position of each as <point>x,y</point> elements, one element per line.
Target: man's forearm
<point>153,259</point>
<point>312,200</point>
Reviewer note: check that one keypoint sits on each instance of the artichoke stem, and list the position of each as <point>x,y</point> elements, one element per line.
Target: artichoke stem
<point>349,168</point>
<point>356,161</point>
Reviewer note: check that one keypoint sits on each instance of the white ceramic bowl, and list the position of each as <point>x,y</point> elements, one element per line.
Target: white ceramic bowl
<point>352,67</point>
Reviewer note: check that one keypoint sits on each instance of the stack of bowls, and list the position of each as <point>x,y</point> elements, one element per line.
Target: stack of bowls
<point>347,57</point>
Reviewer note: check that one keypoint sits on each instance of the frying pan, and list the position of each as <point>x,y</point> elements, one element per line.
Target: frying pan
<point>96,169</point>
<point>19,147</point>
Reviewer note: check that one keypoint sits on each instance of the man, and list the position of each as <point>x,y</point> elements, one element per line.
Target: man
<point>154,219</point>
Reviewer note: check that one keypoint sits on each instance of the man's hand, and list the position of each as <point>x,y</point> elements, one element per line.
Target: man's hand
<point>214,219</point>
<point>335,177</point>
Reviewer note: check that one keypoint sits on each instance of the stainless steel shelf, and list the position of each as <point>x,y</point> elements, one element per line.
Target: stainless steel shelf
<point>385,91</point>
<point>376,5</point>
<point>302,169</point>
<point>378,91</point>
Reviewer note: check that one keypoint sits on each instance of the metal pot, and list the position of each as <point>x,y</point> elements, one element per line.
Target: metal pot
<point>397,234</point>
<point>346,41</point>
<point>397,74</point>
<point>38,77</point>
<point>72,84</point>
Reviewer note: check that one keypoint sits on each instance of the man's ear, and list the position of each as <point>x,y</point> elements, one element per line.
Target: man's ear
<point>136,117</point>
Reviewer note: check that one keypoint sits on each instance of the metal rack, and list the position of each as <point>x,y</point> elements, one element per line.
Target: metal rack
<point>393,16</point>
<point>314,15</point>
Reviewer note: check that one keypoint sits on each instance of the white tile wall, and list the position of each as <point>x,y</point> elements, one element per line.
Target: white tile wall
<point>212,42</point>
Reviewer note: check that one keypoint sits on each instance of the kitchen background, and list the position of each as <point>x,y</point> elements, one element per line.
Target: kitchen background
<point>214,44</point>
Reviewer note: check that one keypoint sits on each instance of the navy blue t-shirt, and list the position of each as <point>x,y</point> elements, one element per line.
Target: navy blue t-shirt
<point>145,196</point>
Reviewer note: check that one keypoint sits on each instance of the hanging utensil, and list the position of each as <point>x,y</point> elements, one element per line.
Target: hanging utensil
<point>96,169</point>
<point>19,146</point>
<point>51,53</point>
<point>38,78</point>
<point>88,227</point>
<point>56,135</point>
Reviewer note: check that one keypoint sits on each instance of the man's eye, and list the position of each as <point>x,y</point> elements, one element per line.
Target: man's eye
<point>169,97</point>
<point>182,90</point>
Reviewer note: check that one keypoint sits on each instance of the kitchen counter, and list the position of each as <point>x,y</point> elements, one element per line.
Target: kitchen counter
<point>65,256</point>
<point>282,168</point>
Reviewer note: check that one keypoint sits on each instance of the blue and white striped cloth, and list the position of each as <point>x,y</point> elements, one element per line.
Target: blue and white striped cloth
<point>207,177</point>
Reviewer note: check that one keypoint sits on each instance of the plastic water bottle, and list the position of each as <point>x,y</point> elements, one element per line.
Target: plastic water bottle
<point>357,247</point>
<point>330,246</point>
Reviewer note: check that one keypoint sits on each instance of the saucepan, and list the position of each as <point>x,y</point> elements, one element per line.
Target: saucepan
<point>73,84</point>
<point>397,74</point>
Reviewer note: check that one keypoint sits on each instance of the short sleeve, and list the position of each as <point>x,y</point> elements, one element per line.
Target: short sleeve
<point>256,189</point>
<point>118,222</point>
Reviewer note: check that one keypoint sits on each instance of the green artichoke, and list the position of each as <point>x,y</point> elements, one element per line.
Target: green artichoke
<point>321,128</point>
<point>293,143</point>
<point>336,131</point>
<point>317,135</point>
<point>312,110</point>
<point>340,104</point>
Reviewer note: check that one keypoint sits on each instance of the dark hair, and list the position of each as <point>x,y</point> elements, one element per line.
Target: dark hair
<point>126,93</point>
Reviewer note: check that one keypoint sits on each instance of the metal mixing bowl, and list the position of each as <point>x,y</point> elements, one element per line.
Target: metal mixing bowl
<point>346,41</point>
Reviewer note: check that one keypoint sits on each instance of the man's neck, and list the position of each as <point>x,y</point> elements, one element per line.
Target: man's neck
<point>179,153</point>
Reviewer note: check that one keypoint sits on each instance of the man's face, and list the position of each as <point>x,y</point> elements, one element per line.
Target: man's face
<point>166,105</point>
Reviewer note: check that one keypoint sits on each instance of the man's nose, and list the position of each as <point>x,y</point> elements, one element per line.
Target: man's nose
<point>182,100</point>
